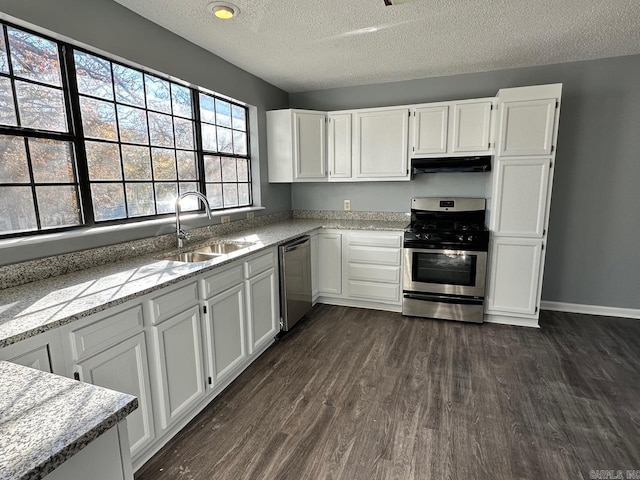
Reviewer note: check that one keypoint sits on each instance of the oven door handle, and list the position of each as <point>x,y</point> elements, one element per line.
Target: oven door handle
<point>445,299</point>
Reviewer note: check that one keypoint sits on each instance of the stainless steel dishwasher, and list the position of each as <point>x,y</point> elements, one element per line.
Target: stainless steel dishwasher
<point>295,280</point>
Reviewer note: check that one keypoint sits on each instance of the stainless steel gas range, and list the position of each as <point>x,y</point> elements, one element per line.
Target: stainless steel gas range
<point>445,253</point>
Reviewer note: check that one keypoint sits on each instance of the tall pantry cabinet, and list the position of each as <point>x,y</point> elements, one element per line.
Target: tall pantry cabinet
<point>520,200</point>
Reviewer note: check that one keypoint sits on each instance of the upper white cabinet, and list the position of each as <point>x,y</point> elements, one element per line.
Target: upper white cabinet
<point>430,130</point>
<point>452,129</point>
<point>471,127</point>
<point>296,146</point>
<point>380,144</point>
<point>520,193</point>
<point>527,127</point>
<point>339,146</point>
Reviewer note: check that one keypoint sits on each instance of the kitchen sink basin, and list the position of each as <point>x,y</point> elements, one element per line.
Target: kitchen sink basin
<point>192,257</point>
<point>223,248</point>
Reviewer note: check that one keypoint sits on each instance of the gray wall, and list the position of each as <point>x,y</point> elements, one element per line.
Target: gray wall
<point>592,255</point>
<point>108,26</point>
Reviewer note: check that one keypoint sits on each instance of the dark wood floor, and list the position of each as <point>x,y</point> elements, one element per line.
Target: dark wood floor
<point>360,394</point>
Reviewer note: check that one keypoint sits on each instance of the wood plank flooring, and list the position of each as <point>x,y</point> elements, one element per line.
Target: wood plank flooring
<point>360,394</point>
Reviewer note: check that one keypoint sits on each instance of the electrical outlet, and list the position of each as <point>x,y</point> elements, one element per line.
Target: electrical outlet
<point>225,219</point>
<point>347,205</point>
<point>250,215</point>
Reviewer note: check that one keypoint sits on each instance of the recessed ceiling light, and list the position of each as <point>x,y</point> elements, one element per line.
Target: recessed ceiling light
<point>223,10</point>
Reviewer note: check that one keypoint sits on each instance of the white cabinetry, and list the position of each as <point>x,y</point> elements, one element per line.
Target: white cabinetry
<point>263,307</point>
<point>296,146</point>
<point>315,266</point>
<point>43,352</point>
<point>430,130</point>
<point>381,142</point>
<point>330,263</point>
<point>471,127</point>
<point>339,147</point>
<point>521,197</point>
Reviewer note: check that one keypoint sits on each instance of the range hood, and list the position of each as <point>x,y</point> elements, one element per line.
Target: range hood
<point>451,164</point>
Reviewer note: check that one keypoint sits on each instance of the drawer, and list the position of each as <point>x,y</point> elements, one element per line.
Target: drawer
<point>105,332</point>
<point>222,281</point>
<point>373,273</point>
<point>367,239</point>
<point>176,301</point>
<point>374,255</point>
<point>259,264</point>
<point>377,292</point>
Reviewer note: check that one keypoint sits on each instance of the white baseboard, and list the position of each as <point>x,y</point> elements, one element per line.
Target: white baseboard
<point>515,321</point>
<point>591,309</point>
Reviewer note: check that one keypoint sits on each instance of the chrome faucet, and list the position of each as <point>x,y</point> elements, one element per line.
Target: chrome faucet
<point>180,232</point>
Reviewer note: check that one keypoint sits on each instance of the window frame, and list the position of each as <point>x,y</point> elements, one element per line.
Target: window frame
<point>75,136</point>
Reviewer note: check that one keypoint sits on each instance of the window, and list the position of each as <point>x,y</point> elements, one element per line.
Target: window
<point>85,140</point>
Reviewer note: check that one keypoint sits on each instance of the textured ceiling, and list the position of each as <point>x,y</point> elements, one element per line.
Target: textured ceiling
<point>301,45</point>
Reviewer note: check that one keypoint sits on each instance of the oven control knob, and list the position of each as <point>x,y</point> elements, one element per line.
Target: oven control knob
<point>461,238</point>
<point>426,236</point>
<point>470,238</point>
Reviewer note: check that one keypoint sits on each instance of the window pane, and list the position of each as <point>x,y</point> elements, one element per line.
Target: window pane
<point>158,97</point>
<point>230,194</point>
<point>13,160</point>
<point>98,119</point>
<point>136,162</point>
<point>181,97</point>
<point>17,213</point>
<point>243,170</point>
<point>190,203</point>
<point>129,85</point>
<point>209,137</point>
<point>41,107</point>
<point>34,57</point>
<point>243,194</point>
<point>58,206</point>
<point>239,118</point>
<point>166,194</point>
<point>212,169</point>
<point>161,129</point>
<point>229,173</point>
<point>140,199</point>
<point>186,165</point>
<point>103,160</point>
<point>214,195</point>
<point>108,201</point>
<point>184,133</point>
<point>239,143</point>
<point>164,164</point>
<point>223,113</point>
<point>52,162</point>
<point>224,140</point>
<point>133,125</point>
<point>94,75</point>
<point>7,107</point>
<point>4,62</point>
<point>207,109</point>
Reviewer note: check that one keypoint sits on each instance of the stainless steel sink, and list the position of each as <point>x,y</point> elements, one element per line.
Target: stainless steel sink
<point>224,248</point>
<point>192,257</point>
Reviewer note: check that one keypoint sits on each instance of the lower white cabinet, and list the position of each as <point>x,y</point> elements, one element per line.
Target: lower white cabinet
<point>262,308</point>
<point>43,352</point>
<point>315,265</point>
<point>330,263</point>
<point>224,334</point>
<point>514,276</point>
<point>123,367</point>
<point>179,362</point>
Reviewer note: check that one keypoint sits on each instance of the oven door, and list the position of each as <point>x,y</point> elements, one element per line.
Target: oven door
<point>451,272</point>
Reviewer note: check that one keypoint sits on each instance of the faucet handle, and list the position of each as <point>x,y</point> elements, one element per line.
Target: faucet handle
<point>184,234</point>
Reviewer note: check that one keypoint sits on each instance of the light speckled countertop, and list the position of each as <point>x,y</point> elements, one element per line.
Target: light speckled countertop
<point>36,307</point>
<point>45,419</point>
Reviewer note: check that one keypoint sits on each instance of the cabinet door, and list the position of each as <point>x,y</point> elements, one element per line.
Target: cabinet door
<point>262,309</point>
<point>309,145</point>
<point>381,144</point>
<point>330,263</point>
<point>471,127</point>
<point>430,129</point>
<point>225,334</point>
<point>124,368</point>
<point>315,264</point>
<point>43,352</point>
<point>526,127</point>
<point>520,194</point>
<point>513,276</point>
<point>181,378</point>
<point>339,146</point>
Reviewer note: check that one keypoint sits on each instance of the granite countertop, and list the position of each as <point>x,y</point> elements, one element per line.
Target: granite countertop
<point>45,419</point>
<point>36,307</point>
